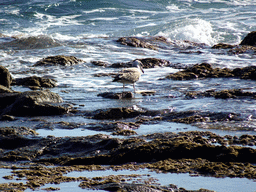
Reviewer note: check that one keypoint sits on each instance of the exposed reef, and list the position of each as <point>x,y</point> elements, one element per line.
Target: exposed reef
<point>247,45</point>
<point>205,70</point>
<point>35,82</point>
<point>58,60</point>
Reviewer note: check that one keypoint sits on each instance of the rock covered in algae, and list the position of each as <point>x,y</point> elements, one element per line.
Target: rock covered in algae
<point>5,77</point>
<point>31,103</point>
<point>205,70</point>
<point>58,60</point>
<point>35,81</point>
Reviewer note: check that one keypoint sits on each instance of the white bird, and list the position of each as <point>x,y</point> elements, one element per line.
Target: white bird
<point>130,75</point>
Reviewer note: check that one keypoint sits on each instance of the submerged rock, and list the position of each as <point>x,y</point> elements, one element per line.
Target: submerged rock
<point>33,42</point>
<point>154,62</point>
<point>146,63</point>
<point>189,117</point>
<point>205,70</point>
<point>4,89</point>
<point>245,72</point>
<point>58,60</point>
<point>5,77</point>
<point>115,126</point>
<point>223,94</point>
<point>250,39</point>
<point>247,45</point>
<point>112,95</point>
<point>31,103</point>
<point>35,81</point>
<point>136,42</point>
<point>100,63</point>
<point>223,46</point>
<point>118,113</point>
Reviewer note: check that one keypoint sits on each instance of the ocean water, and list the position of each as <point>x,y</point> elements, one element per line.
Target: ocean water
<point>34,29</point>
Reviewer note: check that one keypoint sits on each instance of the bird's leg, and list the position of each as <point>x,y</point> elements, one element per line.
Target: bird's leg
<point>134,88</point>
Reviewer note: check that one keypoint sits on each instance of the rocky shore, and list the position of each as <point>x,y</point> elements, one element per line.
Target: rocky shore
<point>44,160</point>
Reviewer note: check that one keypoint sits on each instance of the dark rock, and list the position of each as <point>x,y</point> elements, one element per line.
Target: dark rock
<point>136,42</point>
<point>243,49</point>
<point>34,42</point>
<point>7,118</point>
<point>5,77</point>
<point>4,89</point>
<point>58,60</point>
<point>113,126</point>
<point>245,73</point>
<point>124,187</point>
<point>250,39</point>
<point>189,117</point>
<point>146,63</point>
<point>100,63</point>
<point>118,113</point>
<point>111,95</point>
<point>246,46</point>
<point>125,132</point>
<point>31,103</point>
<point>223,46</point>
<point>104,74</point>
<point>154,62</point>
<point>35,81</point>
<point>223,94</point>
<point>205,70</point>
<point>15,131</point>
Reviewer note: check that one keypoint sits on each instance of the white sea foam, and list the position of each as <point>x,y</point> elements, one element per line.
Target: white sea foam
<point>196,30</point>
<point>173,8</point>
<point>50,20</point>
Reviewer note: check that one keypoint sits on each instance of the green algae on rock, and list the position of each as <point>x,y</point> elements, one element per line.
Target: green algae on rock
<point>35,81</point>
<point>58,60</point>
<point>223,94</point>
<point>5,77</point>
<point>31,103</point>
<point>136,42</point>
<point>205,70</point>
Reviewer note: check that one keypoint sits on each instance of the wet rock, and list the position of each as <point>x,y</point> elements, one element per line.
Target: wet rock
<point>181,152</point>
<point>112,95</point>
<point>205,70</point>
<point>125,132</point>
<point>118,113</point>
<point>16,131</point>
<point>246,46</point>
<point>245,72</point>
<point>5,77</point>
<point>136,42</point>
<point>114,185</point>
<point>223,94</point>
<point>31,103</point>
<point>33,42</point>
<point>243,49</point>
<point>104,74</point>
<point>154,62</point>
<point>58,60</point>
<point>35,81</point>
<point>250,39</point>
<point>100,63</point>
<point>223,46</point>
<point>146,63</point>
<point>189,117</point>
<point>7,118</point>
<point>113,126</point>
<point>4,89</point>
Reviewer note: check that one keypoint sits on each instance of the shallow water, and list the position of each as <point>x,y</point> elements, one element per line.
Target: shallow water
<point>89,30</point>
